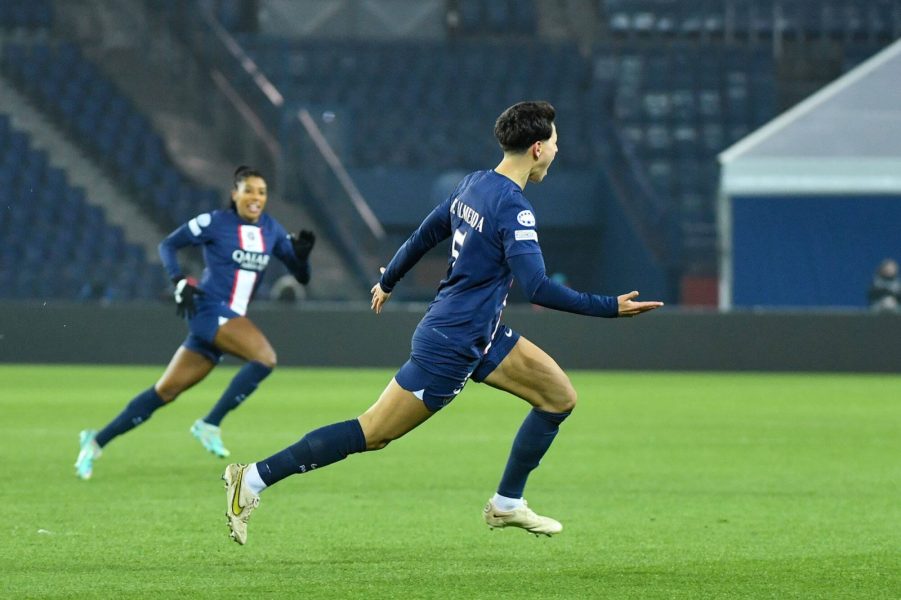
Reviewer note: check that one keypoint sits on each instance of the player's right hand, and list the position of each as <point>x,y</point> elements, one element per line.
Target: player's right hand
<point>185,291</point>
<point>379,296</point>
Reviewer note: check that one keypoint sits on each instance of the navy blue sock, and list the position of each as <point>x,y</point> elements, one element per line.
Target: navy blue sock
<point>136,412</point>
<point>315,450</point>
<point>531,442</point>
<point>242,385</point>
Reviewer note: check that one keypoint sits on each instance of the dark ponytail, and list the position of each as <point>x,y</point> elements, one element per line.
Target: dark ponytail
<point>243,172</point>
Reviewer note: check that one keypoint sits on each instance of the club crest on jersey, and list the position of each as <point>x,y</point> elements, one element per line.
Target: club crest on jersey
<point>250,261</point>
<point>468,214</point>
<point>526,218</point>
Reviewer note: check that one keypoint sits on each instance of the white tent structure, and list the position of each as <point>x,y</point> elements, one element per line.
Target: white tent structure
<point>804,200</point>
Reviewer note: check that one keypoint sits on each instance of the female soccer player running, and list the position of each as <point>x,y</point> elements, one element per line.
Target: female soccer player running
<point>237,244</point>
<point>461,337</point>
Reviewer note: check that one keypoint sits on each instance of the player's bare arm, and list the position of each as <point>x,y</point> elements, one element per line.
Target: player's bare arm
<point>630,308</point>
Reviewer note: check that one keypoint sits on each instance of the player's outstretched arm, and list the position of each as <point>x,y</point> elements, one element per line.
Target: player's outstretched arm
<point>379,296</point>
<point>529,271</point>
<point>628,307</point>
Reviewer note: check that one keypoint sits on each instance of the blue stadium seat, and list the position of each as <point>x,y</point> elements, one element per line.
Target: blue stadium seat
<point>61,227</point>
<point>101,118</point>
<point>26,14</point>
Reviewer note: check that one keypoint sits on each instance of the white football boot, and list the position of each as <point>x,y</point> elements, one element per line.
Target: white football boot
<point>522,517</point>
<point>239,501</point>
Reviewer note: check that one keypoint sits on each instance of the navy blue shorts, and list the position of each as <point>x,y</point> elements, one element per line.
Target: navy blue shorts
<point>501,345</point>
<point>204,348</point>
<point>436,391</point>
<point>202,328</point>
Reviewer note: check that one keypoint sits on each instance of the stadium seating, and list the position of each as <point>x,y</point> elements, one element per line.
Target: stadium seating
<point>55,244</point>
<point>496,17</point>
<point>674,84</point>
<point>27,15</point>
<point>429,106</point>
<point>101,119</point>
<point>754,19</point>
<point>678,109</point>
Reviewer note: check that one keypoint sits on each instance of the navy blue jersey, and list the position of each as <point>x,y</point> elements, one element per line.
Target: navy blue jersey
<point>493,235</point>
<point>488,220</point>
<point>236,254</point>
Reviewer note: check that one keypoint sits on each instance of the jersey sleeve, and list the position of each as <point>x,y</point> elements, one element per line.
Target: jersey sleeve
<point>529,271</point>
<point>284,251</point>
<point>517,227</point>
<point>434,229</point>
<point>195,232</point>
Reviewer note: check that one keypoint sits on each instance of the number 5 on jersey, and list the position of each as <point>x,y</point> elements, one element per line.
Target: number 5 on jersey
<point>459,238</point>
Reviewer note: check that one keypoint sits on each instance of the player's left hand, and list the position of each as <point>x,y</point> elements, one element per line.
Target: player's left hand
<point>379,296</point>
<point>303,243</point>
<point>629,308</point>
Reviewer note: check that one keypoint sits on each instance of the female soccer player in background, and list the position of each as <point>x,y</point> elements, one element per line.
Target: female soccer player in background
<point>461,336</point>
<point>237,244</point>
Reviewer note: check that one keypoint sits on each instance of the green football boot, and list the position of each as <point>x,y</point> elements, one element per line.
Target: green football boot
<point>210,436</point>
<point>88,452</point>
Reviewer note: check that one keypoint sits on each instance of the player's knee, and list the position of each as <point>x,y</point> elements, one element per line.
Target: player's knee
<point>167,392</point>
<point>376,440</point>
<point>570,397</point>
<point>563,398</point>
<point>267,357</point>
<point>376,443</point>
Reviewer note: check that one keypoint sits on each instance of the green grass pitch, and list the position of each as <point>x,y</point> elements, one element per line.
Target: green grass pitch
<point>669,486</point>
